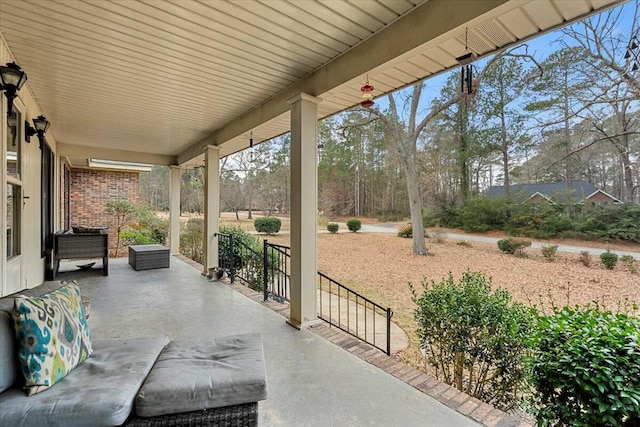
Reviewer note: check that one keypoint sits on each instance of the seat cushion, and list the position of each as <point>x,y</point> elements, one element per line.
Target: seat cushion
<point>53,336</point>
<point>100,392</point>
<point>196,375</point>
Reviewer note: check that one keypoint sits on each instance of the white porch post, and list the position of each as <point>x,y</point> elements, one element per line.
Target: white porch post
<point>174,209</point>
<point>211,206</point>
<point>304,206</point>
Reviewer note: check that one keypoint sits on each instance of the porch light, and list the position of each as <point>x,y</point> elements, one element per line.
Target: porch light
<point>12,79</point>
<point>367,94</point>
<point>41,125</point>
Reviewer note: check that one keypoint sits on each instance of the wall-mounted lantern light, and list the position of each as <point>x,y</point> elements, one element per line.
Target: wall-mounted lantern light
<point>12,78</point>
<point>40,127</point>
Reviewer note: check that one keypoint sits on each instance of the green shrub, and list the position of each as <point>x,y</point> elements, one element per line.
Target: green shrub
<point>244,254</point>
<point>135,237</point>
<point>354,224</point>
<point>513,245</point>
<point>192,240</point>
<point>549,252</point>
<point>609,259</point>
<point>267,224</point>
<point>585,368</point>
<point>405,231</point>
<point>475,339</point>
<point>484,214</point>
<point>158,228</point>
<point>332,227</point>
<point>585,258</point>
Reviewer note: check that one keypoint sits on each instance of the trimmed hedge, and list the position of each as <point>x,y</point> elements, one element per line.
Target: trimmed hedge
<point>267,225</point>
<point>354,224</point>
<point>332,227</point>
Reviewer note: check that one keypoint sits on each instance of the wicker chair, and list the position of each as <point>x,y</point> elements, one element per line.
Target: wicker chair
<point>81,246</point>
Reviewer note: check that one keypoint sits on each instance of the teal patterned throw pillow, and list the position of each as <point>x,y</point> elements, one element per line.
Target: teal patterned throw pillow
<point>53,336</point>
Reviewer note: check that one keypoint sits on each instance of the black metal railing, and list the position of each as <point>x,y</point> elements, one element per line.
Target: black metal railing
<point>270,271</point>
<point>240,261</point>
<point>277,271</point>
<point>355,314</point>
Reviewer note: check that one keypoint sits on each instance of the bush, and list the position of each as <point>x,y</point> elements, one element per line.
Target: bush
<point>549,252</point>
<point>475,339</point>
<point>192,240</point>
<point>157,228</point>
<point>405,231</point>
<point>586,368</point>
<point>630,263</point>
<point>354,224</point>
<point>609,259</point>
<point>267,224</point>
<point>513,245</point>
<point>465,243</point>
<point>484,214</point>
<point>245,254</point>
<point>585,258</point>
<point>332,227</point>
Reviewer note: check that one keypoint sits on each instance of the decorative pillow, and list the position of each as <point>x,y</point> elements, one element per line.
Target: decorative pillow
<point>53,336</point>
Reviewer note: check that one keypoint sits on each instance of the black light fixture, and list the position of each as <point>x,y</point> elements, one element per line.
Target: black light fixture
<point>40,127</point>
<point>466,72</point>
<point>12,78</point>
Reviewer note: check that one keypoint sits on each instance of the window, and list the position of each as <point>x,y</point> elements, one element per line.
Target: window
<point>14,122</point>
<point>13,220</point>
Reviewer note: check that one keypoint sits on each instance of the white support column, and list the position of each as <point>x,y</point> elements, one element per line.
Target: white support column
<point>174,209</point>
<point>211,206</point>
<point>304,206</point>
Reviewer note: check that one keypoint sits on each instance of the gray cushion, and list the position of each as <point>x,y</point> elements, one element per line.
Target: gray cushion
<point>9,367</point>
<point>196,375</point>
<point>99,392</point>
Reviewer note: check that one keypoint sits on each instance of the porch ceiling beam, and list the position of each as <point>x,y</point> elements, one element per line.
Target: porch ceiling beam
<point>426,24</point>
<point>67,150</point>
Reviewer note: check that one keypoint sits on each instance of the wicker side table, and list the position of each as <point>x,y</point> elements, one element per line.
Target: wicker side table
<point>146,257</point>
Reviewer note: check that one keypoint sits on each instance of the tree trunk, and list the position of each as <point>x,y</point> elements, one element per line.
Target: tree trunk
<point>415,208</point>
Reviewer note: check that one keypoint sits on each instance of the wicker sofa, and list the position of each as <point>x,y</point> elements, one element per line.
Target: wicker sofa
<point>81,243</point>
<point>139,382</point>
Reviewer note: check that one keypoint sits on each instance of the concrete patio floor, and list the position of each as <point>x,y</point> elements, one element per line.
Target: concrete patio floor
<point>311,381</point>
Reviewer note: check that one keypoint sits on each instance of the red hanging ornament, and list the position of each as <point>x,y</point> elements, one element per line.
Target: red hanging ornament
<point>367,94</point>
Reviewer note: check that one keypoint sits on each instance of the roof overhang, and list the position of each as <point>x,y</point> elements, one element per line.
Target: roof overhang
<point>157,81</point>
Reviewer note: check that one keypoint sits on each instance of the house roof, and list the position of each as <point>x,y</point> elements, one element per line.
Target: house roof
<point>581,189</point>
<point>159,81</point>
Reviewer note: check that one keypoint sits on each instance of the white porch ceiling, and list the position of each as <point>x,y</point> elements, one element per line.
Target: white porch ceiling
<point>158,80</point>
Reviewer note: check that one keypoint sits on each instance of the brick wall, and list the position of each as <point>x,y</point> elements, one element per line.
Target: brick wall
<point>89,192</point>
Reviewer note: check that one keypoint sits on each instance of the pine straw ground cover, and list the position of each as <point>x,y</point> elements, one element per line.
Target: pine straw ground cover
<point>380,266</point>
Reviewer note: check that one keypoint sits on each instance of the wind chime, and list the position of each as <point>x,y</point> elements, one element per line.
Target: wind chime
<point>466,74</point>
<point>251,153</point>
<point>632,54</point>
<point>367,94</point>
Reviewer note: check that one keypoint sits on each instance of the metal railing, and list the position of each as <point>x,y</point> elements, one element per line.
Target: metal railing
<point>240,261</point>
<point>270,272</point>
<point>355,314</point>
<point>277,267</point>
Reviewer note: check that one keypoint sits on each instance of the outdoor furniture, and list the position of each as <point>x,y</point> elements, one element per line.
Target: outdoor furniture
<point>210,381</point>
<point>204,382</point>
<point>94,243</point>
<point>146,257</point>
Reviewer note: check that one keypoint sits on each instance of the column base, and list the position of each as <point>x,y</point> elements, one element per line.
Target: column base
<point>304,325</point>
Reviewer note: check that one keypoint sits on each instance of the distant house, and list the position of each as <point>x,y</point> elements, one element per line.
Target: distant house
<point>555,192</point>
